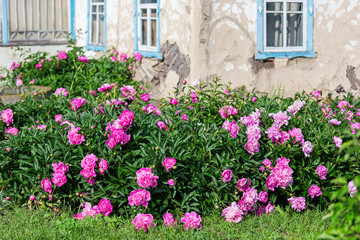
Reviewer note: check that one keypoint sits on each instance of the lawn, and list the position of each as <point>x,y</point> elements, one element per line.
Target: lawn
<point>37,224</point>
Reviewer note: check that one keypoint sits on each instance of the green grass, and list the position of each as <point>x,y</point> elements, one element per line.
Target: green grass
<point>27,224</point>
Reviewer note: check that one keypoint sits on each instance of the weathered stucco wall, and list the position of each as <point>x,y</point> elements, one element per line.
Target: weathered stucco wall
<point>230,45</point>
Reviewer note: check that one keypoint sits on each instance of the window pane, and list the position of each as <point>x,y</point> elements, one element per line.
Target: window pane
<point>93,28</point>
<point>97,1</point>
<point>143,32</point>
<point>294,30</point>
<point>94,9</point>
<point>294,6</point>
<point>153,33</point>
<point>144,12</point>
<point>148,1</point>
<point>274,6</point>
<point>153,13</point>
<point>101,30</point>
<point>274,30</point>
<point>101,8</point>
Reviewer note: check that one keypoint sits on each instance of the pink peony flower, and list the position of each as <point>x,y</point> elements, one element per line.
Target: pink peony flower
<point>46,185</point>
<point>162,125</point>
<point>60,167</point>
<point>253,99</point>
<point>174,101</point>
<point>137,56</point>
<point>89,161</point>
<point>123,57</point>
<point>92,92</point>
<point>7,198</point>
<point>143,222</point>
<point>59,179</point>
<point>234,129</point>
<point>18,82</point>
<point>105,206</point>
<point>307,148</point>
<point>191,220</point>
<point>352,188</point>
<point>267,163</point>
<point>298,203</point>
<point>252,146</point>
<point>322,172</point>
<point>145,97</point>
<point>145,178</point>
<point>338,141</point>
<point>62,55</point>
<point>83,59</point>
<point>32,198</point>
<point>139,197</point>
<point>243,184</point>
<point>263,197</point>
<point>61,91</point>
<point>7,116</point>
<point>169,163</point>
<point>226,175</point>
<point>58,118</point>
<point>334,122</point>
<point>105,88</point>
<point>233,213</point>
<point>317,94</point>
<point>297,105</point>
<point>127,91</point>
<point>227,111</point>
<point>281,118</point>
<point>315,191</point>
<point>74,137</point>
<point>11,130</point>
<point>248,200</point>
<point>193,97</point>
<point>269,208</point>
<point>169,220</point>
<point>171,182</point>
<point>88,173</point>
<point>76,103</point>
<point>103,166</point>
<point>8,149</point>
<point>296,133</point>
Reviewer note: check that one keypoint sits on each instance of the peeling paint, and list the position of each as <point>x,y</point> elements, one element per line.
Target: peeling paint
<point>229,67</point>
<point>330,25</point>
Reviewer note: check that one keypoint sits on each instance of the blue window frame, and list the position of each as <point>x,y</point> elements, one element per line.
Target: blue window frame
<point>285,28</point>
<point>96,34</point>
<point>34,22</point>
<point>147,28</point>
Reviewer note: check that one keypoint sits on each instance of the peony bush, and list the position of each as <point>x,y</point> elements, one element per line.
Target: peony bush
<point>207,149</point>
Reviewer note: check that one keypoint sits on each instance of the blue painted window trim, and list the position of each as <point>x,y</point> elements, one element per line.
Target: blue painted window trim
<point>156,54</point>
<point>97,47</point>
<point>260,54</point>
<point>5,26</point>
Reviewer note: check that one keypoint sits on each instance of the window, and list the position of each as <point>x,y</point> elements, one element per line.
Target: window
<point>147,28</point>
<point>26,22</point>
<point>96,37</point>
<point>285,28</point>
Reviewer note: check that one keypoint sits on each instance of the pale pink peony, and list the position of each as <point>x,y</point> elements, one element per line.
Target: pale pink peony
<point>145,97</point>
<point>297,105</point>
<point>103,166</point>
<point>281,118</point>
<point>252,146</point>
<point>169,220</point>
<point>46,185</point>
<point>58,118</point>
<point>191,220</point>
<point>338,141</point>
<point>143,222</point>
<point>61,91</point>
<point>139,197</point>
<point>307,148</point>
<point>18,82</point>
<point>171,182</point>
<point>12,130</point>
<point>296,134</point>
<point>226,175</point>
<point>315,191</point>
<point>7,116</point>
<point>334,122</point>
<point>41,127</point>
<point>59,179</point>
<point>169,163</point>
<point>127,91</point>
<point>263,197</point>
<point>145,178</point>
<point>60,167</point>
<point>233,213</point>
<point>322,172</point>
<point>352,188</point>
<point>269,208</point>
<point>248,200</point>
<point>105,206</point>
<point>298,203</point>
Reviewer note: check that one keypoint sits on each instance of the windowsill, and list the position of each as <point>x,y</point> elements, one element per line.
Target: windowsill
<point>33,43</point>
<point>150,54</point>
<point>95,48</point>
<point>266,55</point>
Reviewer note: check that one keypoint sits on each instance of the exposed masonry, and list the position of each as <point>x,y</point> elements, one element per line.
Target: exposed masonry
<point>350,74</point>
